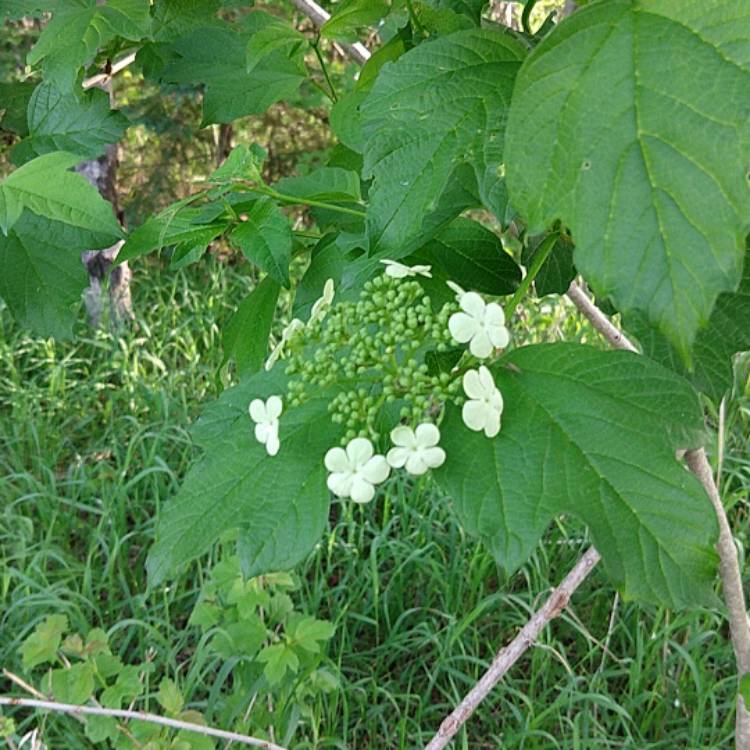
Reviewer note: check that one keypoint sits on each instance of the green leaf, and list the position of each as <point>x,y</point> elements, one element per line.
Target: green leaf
<point>169,696</point>
<point>81,124</point>
<point>43,277</point>
<point>592,434</point>
<point>176,225</point>
<point>323,184</point>
<point>215,56</point>
<point>282,501</point>
<point>42,645</point>
<point>440,107</point>
<point>243,163</point>
<point>101,728</point>
<point>279,34</point>
<point>245,338</point>
<point>14,101</point>
<point>175,18</point>
<point>265,239</point>
<point>744,689</point>
<point>76,32</point>
<point>617,134</point>
<point>727,333</point>
<point>470,8</point>
<point>73,684</point>
<point>472,256</point>
<point>46,187</point>
<point>127,687</point>
<point>440,21</point>
<point>557,271</point>
<point>350,15</point>
<point>239,638</point>
<point>389,52</point>
<point>205,615</point>
<point>309,633</point>
<point>278,659</point>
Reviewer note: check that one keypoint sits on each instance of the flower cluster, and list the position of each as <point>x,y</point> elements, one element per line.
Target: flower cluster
<point>380,357</point>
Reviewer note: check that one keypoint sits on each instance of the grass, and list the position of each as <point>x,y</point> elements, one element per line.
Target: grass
<point>93,437</point>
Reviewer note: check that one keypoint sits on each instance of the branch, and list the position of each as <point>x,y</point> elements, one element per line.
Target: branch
<point>102,79</point>
<point>319,16</point>
<point>598,319</point>
<point>79,711</point>
<point>511,653</point>
<point>734,595</point>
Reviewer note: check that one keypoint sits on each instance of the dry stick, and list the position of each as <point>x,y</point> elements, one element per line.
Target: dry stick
<point>319,16</point>
<point>729,566</point>
<point>734,595</point>
<point>102,79</point>
<point>78,711</point>
<point>598,319</point>
<point>511,653</point>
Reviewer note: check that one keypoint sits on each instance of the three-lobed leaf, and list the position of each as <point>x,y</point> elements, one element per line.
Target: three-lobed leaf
<point>77,31</point>
<point>630,124</point>
<point>438,108</point>
<point>216,56</point>
<point>592,434</point>
<point>281,501</point>
<point>81,124</point>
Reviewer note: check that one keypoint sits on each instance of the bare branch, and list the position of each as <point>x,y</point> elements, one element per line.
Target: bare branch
<point>511,653</point>
<point>598,319</point>
<point>79,711</point>
<point>102,79</point>
<point>734,595</point>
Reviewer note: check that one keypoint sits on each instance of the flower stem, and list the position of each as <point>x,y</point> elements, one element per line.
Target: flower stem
<point>537,262</point>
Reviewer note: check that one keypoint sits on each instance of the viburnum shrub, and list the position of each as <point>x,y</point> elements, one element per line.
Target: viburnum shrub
<point>612,146</point>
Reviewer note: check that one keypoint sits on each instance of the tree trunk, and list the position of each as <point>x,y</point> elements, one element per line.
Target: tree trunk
<point>101,173</point>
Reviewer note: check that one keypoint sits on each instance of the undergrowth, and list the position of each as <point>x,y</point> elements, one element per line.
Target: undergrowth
<point>94,437</point>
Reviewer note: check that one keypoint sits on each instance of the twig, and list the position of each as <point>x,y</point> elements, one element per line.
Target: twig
<point>598,319</point>
<point>319,16</point>
<point>119,713</point>
<point>102,79</point>
<point>734,596</point>
<point>510,654</point>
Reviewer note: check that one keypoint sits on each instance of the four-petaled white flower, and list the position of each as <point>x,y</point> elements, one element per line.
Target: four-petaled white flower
<point>485,405</point>
<point>355,471</point>
<point>321,306</point>
<point>416,450</point>
<point>266,417</point>
<point>400,271</point>
<point>286,336</point>
<point>481,324</point>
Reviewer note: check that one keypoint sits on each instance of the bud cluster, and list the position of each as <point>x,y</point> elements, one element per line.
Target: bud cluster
<point>377,347</point>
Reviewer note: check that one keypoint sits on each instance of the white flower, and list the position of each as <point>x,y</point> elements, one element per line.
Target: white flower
<point>417,450</point>
<point>481,324</point>
<point>321,306</point>
<point>400,271</point>
<point>485,405</point>
<point>286,336</point>
<point>355,471</point>
<point>266,417</point>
